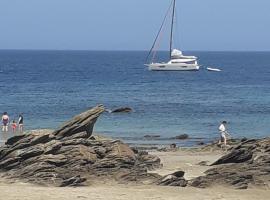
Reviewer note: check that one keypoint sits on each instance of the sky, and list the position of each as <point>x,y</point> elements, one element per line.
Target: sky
<point>211,25</point>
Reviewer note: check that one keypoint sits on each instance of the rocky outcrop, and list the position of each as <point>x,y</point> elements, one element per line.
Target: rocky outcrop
<point>83,122</point>
<point>247,164</point>
<point>71,156</point>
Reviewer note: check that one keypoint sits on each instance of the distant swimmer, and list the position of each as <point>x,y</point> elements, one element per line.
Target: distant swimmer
<point>5,121</point>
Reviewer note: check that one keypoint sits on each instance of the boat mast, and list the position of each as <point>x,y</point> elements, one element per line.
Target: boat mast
<point>171,38</point>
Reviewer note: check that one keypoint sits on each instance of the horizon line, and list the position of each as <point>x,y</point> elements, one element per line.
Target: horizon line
<point>141,50</point>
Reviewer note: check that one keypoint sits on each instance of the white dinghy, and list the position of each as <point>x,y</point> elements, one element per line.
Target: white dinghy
<point>213,69</point>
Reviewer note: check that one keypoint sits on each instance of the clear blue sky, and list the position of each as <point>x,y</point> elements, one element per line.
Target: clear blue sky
<point>132,24</point>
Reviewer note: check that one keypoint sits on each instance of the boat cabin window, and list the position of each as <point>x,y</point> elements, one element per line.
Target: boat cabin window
<point>191,62</point>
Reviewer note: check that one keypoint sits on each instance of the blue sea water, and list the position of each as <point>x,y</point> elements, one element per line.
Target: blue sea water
<point>50,87</point>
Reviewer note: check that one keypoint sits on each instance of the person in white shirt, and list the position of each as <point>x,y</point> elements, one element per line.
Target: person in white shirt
<point>223,133</point>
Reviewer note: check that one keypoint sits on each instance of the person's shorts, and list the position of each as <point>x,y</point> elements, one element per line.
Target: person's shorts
<point>222,136</point>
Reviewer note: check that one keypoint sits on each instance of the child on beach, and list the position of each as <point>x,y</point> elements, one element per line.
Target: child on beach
<point>14,126</point>
<point>5,121</point>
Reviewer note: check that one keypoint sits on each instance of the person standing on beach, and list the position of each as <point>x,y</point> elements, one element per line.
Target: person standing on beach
<point>20,122</point>
<point>223,133</point>
<point>5,121</point>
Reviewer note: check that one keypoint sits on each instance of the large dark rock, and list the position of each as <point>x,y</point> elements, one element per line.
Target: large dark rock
<point>122,110</point>
<point>247,164</point>
<point>70,156</point>
<point>235,156</point>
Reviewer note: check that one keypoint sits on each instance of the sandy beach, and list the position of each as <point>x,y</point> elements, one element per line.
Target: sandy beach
<point>185,159</point>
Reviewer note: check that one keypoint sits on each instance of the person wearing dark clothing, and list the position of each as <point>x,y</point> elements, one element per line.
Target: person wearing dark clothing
<point>20,123</point>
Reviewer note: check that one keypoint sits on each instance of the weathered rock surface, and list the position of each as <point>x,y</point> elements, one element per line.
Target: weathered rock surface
<point>69,156</point>
<point>247,164</point>
<point>83,122</point>
<point>175,179</point>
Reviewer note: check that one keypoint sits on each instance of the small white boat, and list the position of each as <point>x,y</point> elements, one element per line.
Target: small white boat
<point>177,61</point>
<point>213,69</point>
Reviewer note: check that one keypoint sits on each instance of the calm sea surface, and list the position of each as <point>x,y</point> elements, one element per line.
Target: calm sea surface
<point>49,87</point>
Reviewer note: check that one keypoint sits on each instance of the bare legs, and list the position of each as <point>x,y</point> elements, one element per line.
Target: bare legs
<point>223,139</point>
<point>5,128</point>
<point>21,128</point>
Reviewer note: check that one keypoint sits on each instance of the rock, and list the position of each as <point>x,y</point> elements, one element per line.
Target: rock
<point>63,157</point>
<point>178,174</point>
<point>151,162</point>
<point>245,165</point>
<point>73,181</point>
<point>203,163</point>
<point>83,122</point>
<point>175,179</point>
<point>151,137</point>
<point>200,143</point>
<point>9,163</point>
<point>181,137</point>
<point>14,139</point>
<point>236,156</point>
<point>122,110</point>
<point>29,152</point>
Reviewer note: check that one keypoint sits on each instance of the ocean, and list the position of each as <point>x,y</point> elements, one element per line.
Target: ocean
<point>49,87</point>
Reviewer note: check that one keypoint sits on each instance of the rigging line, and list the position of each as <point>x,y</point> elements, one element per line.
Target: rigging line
<point>160,29</point>
<point>171,38</point>
<point>156,47</point>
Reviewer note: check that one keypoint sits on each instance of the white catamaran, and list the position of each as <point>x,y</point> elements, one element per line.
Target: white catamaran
<point>177,61</point>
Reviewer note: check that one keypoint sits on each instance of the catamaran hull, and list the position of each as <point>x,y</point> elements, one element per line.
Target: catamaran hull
<point>172,67</point>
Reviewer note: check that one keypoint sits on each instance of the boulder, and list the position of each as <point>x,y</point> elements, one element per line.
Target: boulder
<point>122,110</point>
<point>174,179</point>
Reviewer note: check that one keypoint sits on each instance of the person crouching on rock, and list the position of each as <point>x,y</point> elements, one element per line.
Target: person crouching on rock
<point>5,121</point>
<point>223,133</point>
